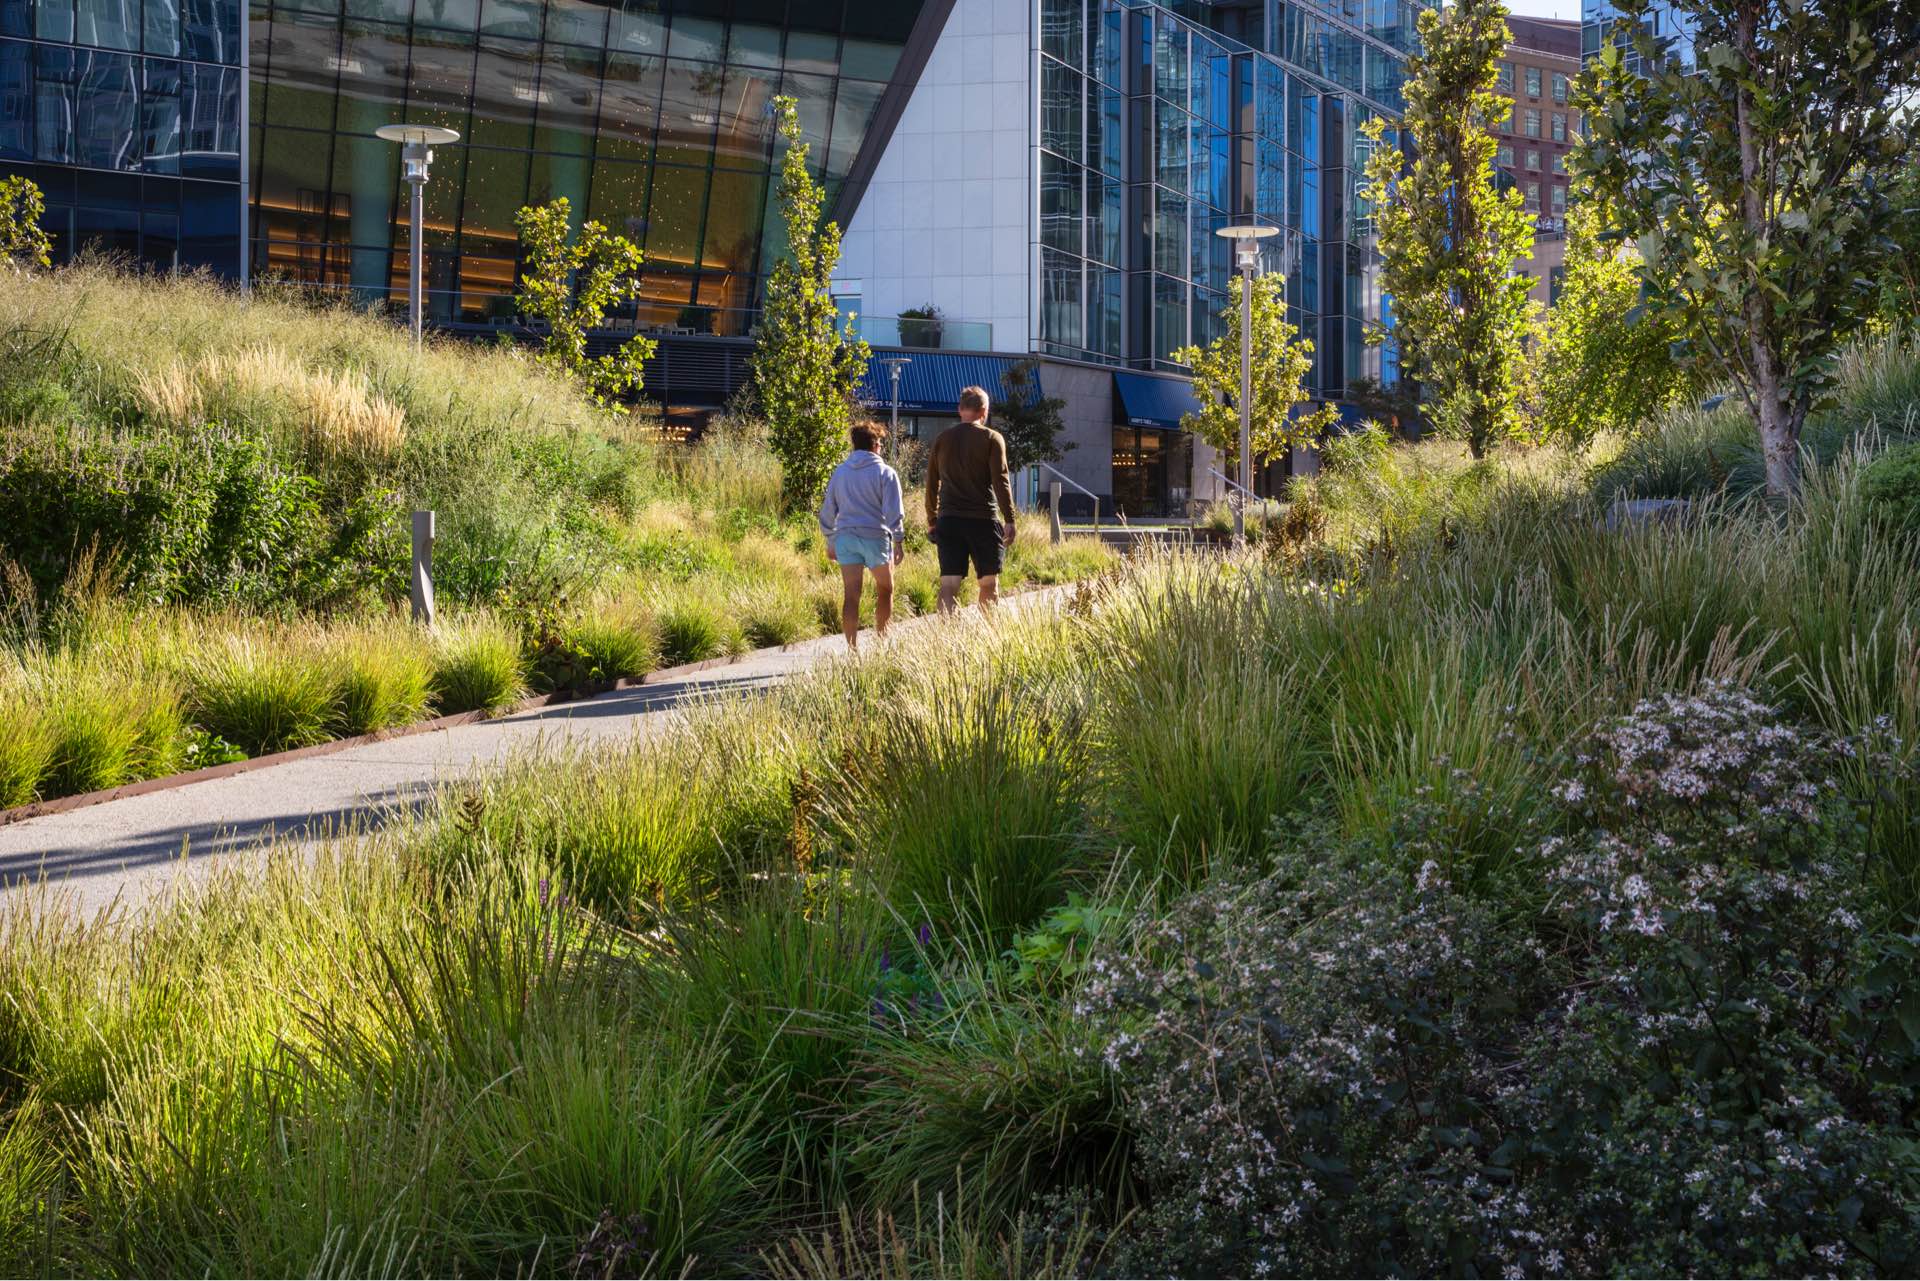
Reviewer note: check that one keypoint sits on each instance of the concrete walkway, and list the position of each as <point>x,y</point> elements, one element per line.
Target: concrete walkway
<point>136,847</point>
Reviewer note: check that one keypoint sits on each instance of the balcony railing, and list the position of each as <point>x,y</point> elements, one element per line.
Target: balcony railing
<point>933,335</point>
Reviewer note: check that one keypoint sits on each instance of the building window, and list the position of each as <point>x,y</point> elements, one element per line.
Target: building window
<point>1533,82</point>
<point>1559,162</point>
<point>1560,85</point>
<point>1532,122</point>
<point>1533,159</point>
<point>1506,77</point>
<point>1533,195</point>
<point>1559,126</point>
<point>1506,155</point>
<point>1559,198</point>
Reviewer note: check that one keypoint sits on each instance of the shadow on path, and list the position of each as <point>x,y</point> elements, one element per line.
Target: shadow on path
<point>84,854</point>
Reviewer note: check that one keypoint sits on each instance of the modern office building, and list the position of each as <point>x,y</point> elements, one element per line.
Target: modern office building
<point>129,116</point>
<point>1537,72</point>
<point>1599,24</point>
<point>1017,178</point>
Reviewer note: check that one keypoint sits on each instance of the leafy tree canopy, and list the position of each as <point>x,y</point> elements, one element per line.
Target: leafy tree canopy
<point>571,283</point>
<point>1754,179</point>
<point>1281,362</point>
<point>806,363</point>
<point>1449,238</point>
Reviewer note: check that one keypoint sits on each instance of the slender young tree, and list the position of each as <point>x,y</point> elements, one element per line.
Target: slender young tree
<point>1031,423</point>
<point>1754,175</point>
<point>806,365</point>
<point>1602,360</point>
<point>1281,362</point>
<point>1449,237</point>
<point>571,282</point>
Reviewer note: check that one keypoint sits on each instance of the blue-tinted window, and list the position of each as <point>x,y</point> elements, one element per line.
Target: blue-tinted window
<point>16,100</point>
<point>160,143</point>
<point>1060,299</point>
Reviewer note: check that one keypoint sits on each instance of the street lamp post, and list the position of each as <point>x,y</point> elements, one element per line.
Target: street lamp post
<point>894,365</point>
<point>1246,238</point>
<point>416,154</point>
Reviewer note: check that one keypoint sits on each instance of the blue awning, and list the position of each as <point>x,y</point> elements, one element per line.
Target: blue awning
<point>1141,400</point>
<point>933,382</point>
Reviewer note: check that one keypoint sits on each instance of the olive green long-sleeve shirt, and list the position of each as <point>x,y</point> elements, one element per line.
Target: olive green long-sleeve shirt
<point>967,474</point>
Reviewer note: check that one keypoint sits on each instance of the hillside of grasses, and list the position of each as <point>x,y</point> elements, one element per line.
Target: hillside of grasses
<point>1463,882</point>
<point>205,550</point>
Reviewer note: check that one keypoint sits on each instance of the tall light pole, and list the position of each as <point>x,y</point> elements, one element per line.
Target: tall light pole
<point>894,365</point>
<point>416,154</point>
<point>1246,238</point>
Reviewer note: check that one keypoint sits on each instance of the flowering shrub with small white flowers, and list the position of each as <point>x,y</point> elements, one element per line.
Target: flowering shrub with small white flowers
<point>1704,1058</point>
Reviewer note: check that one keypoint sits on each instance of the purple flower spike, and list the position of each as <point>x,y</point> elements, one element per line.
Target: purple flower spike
<point>926,933</point>
<point>543,893</point>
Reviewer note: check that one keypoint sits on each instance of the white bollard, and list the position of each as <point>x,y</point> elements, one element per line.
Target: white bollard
<point>423,568</point>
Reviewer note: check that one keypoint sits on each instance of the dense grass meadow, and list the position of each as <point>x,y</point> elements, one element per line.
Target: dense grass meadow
<point>205,550</point>
<point>1465,881</point>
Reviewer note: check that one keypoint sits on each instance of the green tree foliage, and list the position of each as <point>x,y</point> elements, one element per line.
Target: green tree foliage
<point>1900,281</point>
<point>1448,236</point>
<point>23,242</point>
<point>571,283</point>
<point>1755,180</point>
<point>806,366</point>
<point>1601,361</point>
<point>1032,429</point>
<point>1281,361</point>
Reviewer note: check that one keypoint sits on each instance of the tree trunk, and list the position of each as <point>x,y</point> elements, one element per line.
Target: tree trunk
<point>1779,438</point>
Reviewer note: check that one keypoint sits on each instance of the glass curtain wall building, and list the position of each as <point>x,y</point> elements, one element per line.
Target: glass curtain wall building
<point>1161,124</point>
<point>1599,20</point>
<point>652,117</point>
<point>127,114</point>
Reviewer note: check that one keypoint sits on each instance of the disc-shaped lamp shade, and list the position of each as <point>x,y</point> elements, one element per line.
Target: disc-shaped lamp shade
<point>429,135</point>
<point>1247,231</point>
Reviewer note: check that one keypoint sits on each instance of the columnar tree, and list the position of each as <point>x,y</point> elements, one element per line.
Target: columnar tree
<point>1281,362</point>
<point>571,282</point>
<point>806,364</point>
<point>1449,237</point>
<point>1755,180</point>
<point>23,241</point>
<point>1602,361</point>
<point>1030,422</point>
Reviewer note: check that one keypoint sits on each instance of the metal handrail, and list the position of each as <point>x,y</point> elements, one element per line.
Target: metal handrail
<point>1234,484</point>
<point>1077,485</point>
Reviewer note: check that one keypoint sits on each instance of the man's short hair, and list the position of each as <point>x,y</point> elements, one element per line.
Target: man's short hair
<point>974,398</point>
<point>869,436</point>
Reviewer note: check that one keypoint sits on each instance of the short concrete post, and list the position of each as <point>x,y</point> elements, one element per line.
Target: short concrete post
<point>423,568</point>
<point>1053,510</point>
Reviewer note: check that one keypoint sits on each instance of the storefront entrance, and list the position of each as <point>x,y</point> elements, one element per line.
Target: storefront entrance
<point>1141,457</point>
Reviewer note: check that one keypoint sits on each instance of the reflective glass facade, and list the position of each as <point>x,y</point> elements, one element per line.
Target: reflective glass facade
<point>652,117</point>
<point>1598,19</point>
<point>127,113</point>
<point>1161,124</point>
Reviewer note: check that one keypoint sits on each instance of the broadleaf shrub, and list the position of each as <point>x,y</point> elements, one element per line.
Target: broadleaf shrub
<point>1704,1059</point>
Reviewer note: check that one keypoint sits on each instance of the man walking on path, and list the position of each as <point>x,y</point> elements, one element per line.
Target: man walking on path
<point>861,517</point>
<point>966,477</point>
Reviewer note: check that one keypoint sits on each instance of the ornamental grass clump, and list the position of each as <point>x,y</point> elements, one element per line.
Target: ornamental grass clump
<point>262,695</point>
<point>27,747</point>
<point>478,666</point>
<point>383,678</point>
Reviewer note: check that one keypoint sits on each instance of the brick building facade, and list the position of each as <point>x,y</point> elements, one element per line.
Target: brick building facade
<point>1538,72</point>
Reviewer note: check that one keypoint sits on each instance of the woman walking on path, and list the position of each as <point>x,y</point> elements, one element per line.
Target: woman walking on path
<point>861,517</point>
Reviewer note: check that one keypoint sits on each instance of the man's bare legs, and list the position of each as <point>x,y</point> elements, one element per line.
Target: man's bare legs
<point>851,582</point>
<point>950,592</point>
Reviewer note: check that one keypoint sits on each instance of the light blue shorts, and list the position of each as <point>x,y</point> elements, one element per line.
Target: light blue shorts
<point>852,549</point>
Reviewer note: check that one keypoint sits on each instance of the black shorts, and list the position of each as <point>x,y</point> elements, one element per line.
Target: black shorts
<point>963,538</point>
